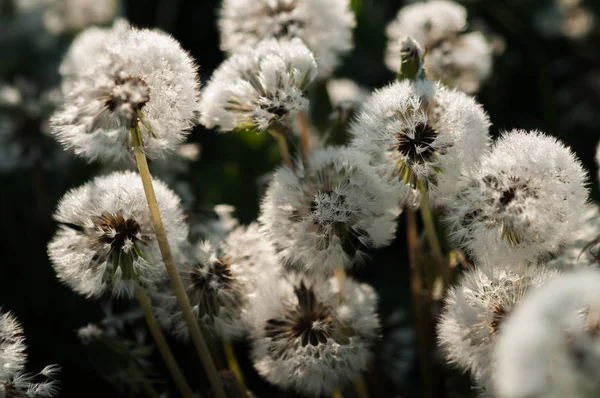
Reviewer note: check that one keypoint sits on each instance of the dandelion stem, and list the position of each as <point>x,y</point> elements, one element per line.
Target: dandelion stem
<point>167,256</point>
<point>337,394</point>
<point>234,366</point>
<point>305,137</point>
<point>283,147</point>
<point>420,308</point>
<point>162,345</point>
<point>361,387</point>
<point>431,234</point>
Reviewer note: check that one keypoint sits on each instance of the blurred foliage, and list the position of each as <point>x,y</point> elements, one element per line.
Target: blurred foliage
<point>550,83</point>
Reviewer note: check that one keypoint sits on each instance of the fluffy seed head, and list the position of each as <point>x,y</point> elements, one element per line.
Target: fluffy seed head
<point>323,217</point>
<point>106,239</point>
<point>121,79</point>
<point>475,311</point>
<point>456,59</point>
<point>417,132</point>
<point>550,345</point>
<point>314,338</point>
<point>14,382</point>
<point>259,86</point>
<point>324,25</point>
<point>523,202</point>
<point>219,281</point>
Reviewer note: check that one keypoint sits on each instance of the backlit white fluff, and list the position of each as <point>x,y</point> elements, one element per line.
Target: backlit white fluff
<point>220,280</point>
<point>14,381</point>
<point>417,132</point>
<point>259,86</point>
<point>457,59</point>
<point>132,78</point>
<point>583,246</point>
<point>106,239</point>
<point>525,200</point>
<point>324,25</point>
<point>322,217</point>
<point>550,346</point>
<point>474,314</point>
<point>312,337</point>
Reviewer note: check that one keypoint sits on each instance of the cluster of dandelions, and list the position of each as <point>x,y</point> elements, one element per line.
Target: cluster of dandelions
<point>280,283</point>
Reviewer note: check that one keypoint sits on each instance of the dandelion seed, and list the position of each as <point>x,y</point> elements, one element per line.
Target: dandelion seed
<point>122,79</point>
<point>259,86</point>
<point>311,341</point>
<point>523,202</point>
<point>475,311</point>
<point>106,240</point>
<point>325,216</point>
<point>324,25</point>
<point>457,59</point>
<point>550,345</point>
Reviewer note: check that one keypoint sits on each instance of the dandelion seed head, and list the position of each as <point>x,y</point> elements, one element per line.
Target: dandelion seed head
<point>457,59</point>
<point>12,346</point>
<point>326,215</point>
<point>324,25</point>
<point>312,341</point>
<point>219,281</point>
<point>550,345</point>
<point>259,86</point>
<point>475,311</point>
<point>115,80</point>
<point>524,201</point>
<point>106,239</point>
<point>417,132</point>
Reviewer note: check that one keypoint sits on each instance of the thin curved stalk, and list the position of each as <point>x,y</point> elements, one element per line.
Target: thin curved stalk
<point>283,147</point>
<point>172,271</point>
<point>234,366</point>
<point>163,347</point>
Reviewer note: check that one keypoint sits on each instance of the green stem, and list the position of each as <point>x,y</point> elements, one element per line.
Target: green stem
<point>162,345</point>
<point>172,271</point>
<point>234,366</point>
<point>283,147</point>
<point>431,234</point>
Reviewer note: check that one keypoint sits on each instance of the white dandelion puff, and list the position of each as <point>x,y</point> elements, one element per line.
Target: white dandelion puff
<point>326,215</point>
<point>583,247</point>
<point>417,132</point>
<point>523,202</point>
<point>324,25</point>
<point>14,381</point>
<point>550,345</point>
<point>457,59</point>
<point>259,86</point>
<point>475,310</point>
<point>310,339</point>
<point>131,79</point>
<point>219,281</point>
<point>106,239</point>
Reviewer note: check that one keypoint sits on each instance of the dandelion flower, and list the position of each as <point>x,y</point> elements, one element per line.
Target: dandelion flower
<point>324,216</point>
<point>324,25</point>
<point>259,86</point>
<point>457,59</point>
<point>106,239</point>
<point>14,382</point>
<point>475,311</point>
<point>523,202</point>
<point>219,281</point>
<point>132,79</point>
<point>420,133</point>
<point>315,338</point>
<point>550,345</point>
